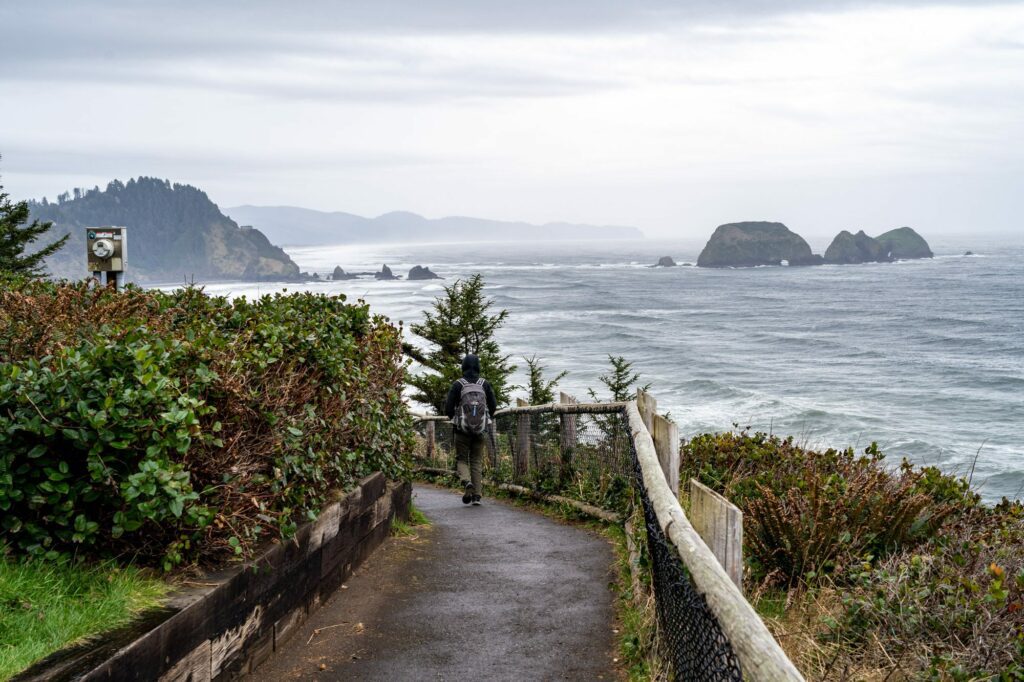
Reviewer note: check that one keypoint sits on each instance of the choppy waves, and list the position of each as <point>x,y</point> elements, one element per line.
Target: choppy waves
<point>924,357</point>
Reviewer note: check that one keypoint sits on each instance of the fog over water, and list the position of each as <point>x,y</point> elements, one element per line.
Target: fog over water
<point>924,357</point>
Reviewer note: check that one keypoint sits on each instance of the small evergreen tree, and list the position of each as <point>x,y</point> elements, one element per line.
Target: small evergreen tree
<point>542,391</point>
<point>620,381</point>
<point>16,235</point>
<point>460,323</point>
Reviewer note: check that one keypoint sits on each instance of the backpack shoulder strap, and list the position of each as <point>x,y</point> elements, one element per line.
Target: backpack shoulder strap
<point>462,380</point>
<point>480,381</point>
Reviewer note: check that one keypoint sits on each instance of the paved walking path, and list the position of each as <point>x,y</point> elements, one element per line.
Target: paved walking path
<point>489,593</point>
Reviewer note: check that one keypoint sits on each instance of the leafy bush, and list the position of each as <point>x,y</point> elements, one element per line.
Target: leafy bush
<point>953,607</point>
<point>177,425</point>
<point>808,513</point>
<point>866,572</point>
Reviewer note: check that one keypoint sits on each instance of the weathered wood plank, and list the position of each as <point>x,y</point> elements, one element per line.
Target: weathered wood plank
<point>720,524</point>
<point>193,668</point>
<point>647,404</point>
<point>666,443</point>
<point>560,408</point>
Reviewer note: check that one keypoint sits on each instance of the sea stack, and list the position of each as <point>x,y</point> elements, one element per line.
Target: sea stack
<point>340,274</point>
<point>849,248</point>
<point>419,272</point>
<point>903,242</point>
<point>665,262</point>
<point>385,273</point>
<point>748,244</point>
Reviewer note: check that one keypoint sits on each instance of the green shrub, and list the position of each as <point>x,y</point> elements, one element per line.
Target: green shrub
<point>809,513</point>
<point>953,607</point>
<point>867,572</point>
<point>176,425</point>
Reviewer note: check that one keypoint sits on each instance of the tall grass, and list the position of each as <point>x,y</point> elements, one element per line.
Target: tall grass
<point>45,606</point>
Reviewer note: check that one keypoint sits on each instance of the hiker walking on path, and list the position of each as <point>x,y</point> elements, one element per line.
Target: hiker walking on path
<point>471,405</point>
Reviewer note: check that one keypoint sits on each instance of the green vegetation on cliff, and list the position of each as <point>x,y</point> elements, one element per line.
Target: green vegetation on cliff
<point>749,244</point>
<point>179,426</point>
<point>175,233</point>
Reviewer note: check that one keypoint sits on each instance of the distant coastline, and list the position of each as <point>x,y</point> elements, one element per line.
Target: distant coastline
<point>297,226</point>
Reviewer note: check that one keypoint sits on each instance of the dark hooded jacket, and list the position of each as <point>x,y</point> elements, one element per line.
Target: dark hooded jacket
<point>470,372</point>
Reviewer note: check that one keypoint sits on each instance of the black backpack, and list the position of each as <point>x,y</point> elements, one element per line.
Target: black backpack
<point>472,417</point>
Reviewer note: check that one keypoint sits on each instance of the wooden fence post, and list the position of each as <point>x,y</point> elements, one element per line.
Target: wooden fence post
<point>521,463</point>
<point>431,442</point>
<point>666,443</point>
<point>492,443</point>
<point>665,435</point>
<point>720,524</point>
<point>568,438</point>
<point>647,404</point>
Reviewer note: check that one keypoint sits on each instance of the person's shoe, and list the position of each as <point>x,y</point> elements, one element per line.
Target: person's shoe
<point>476,500</point>
<point>468,496</point>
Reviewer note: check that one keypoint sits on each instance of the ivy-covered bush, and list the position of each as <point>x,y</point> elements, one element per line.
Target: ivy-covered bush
<point>176,425</point>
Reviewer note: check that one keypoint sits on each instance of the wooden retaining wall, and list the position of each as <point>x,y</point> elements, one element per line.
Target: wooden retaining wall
<point>235,620</point>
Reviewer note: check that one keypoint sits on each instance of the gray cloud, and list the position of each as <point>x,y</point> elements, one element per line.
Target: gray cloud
<point>539,109</point>
<point>111,162</point>
<point>159,43</point>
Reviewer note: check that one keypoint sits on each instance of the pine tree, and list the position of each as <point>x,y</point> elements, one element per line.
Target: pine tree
<point>461,322</point>
<point>542,391</point>
<point>620,381</point>
<point>16,235</point>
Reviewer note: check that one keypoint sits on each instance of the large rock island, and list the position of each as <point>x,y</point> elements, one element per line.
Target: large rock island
<point>744,245</point>
<point>738,245</point>
<point>893,245</point>
<point>849,248</point>
<point>903,242</point>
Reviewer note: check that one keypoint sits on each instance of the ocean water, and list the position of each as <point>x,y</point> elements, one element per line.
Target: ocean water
<point>924,357</point>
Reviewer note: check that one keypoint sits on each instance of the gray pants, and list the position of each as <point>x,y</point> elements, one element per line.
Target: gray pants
<point>469,459</point>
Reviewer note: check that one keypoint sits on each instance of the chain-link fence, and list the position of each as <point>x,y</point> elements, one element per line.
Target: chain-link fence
<point>588,452</point>
<point>687,628</point>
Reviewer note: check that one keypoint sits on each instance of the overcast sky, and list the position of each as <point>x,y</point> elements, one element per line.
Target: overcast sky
<point>825,116</point>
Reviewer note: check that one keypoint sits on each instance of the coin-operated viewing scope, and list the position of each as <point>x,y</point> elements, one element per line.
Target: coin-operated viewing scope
<point>106,250</point>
